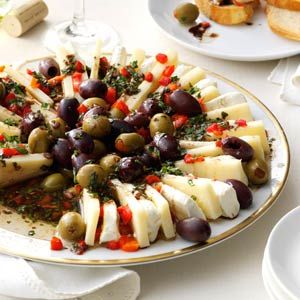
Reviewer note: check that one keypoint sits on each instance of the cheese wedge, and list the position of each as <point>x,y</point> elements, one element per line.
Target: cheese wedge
<point>255,142</point>
<point>191,77</point>
<point>204,83</point>
<point>181,70</point>
<point>201,189</point>
<point>209,93</point>
<point>90,213</point>
<point>164,210</point>
<point>22,167</point>
<point>9,130</point>
<point>219,168</point>
<point>186,144</point>
<point>6,114</point>
<point>148,64</point>
<point>225,100</point>
<point>209,150</point>
<point>96,60</point>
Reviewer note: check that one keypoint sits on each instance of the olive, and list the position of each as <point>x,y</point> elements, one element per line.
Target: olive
<point>194,229</point>
<point>57,127</point>
<point>49,67</point>
<point>237,148</point>
<point>150,107</point>
<point>129,143</point>
<point>120,126</point>
<point>243,193</point>
<point>257,171</point>
<point>38,140</point>
<point>186,13</point>
<point>184,103</point>
<point>150,157</point>
<point>31,121</point>
<point>67,110</point>
<point>81,159</point>
<point>115,113</point>
<point>67,173</point>
<point>137,119</point>
<point>2,91</point>
<point>130,168</point>
<point>62,153</point>
<point>161,123</point>
<point>80,140</point>
<point>54,182</point>
<point>71,226</point>
<point>94,101</point>
<point>167,146</point>
<point>109,162</point>
<point>95,111</point>
<point>91,176</point>
<point>92,88</point>
<point>96,126</point>
<point>99,149</point>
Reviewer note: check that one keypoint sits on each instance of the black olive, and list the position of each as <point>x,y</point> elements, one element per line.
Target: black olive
<point>80,140</point>
<point>167,146</point>
<point>92,88</point>
<point>49,68</point>
<point>237,148</point>
<point>67,110</point>
<point>130,168</point>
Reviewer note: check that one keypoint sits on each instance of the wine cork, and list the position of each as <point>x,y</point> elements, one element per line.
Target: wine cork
<point>24,17</point>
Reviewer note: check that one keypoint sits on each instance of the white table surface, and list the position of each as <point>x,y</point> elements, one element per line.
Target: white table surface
<point>232,269</point>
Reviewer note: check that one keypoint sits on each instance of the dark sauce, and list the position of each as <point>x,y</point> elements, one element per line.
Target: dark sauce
<point>199,29</point>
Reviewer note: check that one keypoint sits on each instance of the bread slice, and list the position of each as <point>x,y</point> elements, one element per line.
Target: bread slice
<point>227,14</point>
<point>286,4</point>
<point>284,22</point>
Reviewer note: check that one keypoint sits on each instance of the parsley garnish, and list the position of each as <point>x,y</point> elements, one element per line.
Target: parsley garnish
<point>10,122</point>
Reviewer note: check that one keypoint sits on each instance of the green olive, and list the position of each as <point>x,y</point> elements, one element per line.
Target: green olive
<point>109,162</point>
<point>161,123</point>
<point>115,113</point>
<point>54,182</point>
<point>38,140</point>
<point>96,126</point>
<point>91,102</point>
<point>90,176</point>
<point>186,13</point>
<point>2,90</point>
<point>67,173</point>
<point>99,148</point>
<point>129,142</point>
<point>57,127</point>
<point>257,171</point>
<point>71,226</point>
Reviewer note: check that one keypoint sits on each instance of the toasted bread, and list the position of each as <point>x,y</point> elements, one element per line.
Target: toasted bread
<point>227,14</point>
<point>284,22</point>
<point>286,4</point>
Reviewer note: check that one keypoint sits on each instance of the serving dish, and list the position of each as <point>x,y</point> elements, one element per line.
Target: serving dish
<point>15,229</point>
<point>255,42</point>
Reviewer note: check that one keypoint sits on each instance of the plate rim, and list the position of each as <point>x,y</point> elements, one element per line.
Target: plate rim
<point>216,55</point>
<point>197,247</point>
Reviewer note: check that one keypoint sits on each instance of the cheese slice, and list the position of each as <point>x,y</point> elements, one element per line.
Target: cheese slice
<point>138,55</point>
<point>191,77</point>
<point>9,130</point>
<point>225,100</point>
<point>96,60</point>
<point>6,114</point>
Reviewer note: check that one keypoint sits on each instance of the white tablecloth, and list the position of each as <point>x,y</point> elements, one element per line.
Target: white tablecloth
<point>231,270</point>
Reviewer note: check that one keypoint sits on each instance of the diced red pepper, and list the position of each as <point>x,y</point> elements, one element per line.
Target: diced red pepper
<point>82,109</point>
<point>150,179</point>
<point>189,159</point>
<point>45,89</point>
<point>157,187</point>
<point>179,120</point>
<point>56,244</point>
<point>202,104</point>
<point>168,71</point>
<point>19,199</point>
<point>77,80</point>
<point>120,146</point>
<point>46,200</point>
<point>173,86</point>
<point>9,152</point>
<point>219,144</point>
<point>128,243</point>
<point>97,234</point>
<point>125,214</point>
<point>241,123</point>
<point>34,83</point>
<point>164,81</point>
<point>79,67</point>
<point>124,72</point>
<point>162,58</point>
<point>26,110</point>
<point>125,229</point>
<point>113,245</point>
<point>122,106</point>
<point>199,159</point>
<point>2,138</point>
<point>29,72</point>
<point>78,188</point>
<point>56,80</point>
<point>81,247</point>
<point>216,129</point>
<point>149,76</point>
<point>111,95</point>
<point>167,98</point>
<point>10,96</point>
<point>101,215</point>
<point>2,68</point>
<point>67,205</point>
<point>205,24</point>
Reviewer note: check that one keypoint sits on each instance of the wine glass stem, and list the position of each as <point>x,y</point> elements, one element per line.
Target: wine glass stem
<point>79,13</point>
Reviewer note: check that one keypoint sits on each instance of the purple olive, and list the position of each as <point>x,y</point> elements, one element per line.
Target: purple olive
<point>150,107</point>
<point>184,103</point>
<point>120,126</point>
<point>80,140</point>
<point>194,229</point>
<point>138,119</point>
<point>150,158</point>
<point>243,193</point>
<point>167,146</point>
<point>49,68</point>
<point>67,110</point>
<point>81,159</point>
<point>130,168</point>
<point>95,111</point>
<point>30,122</point>
<point>237,148</point>
<point>62,152</point>
<point>92,88</point>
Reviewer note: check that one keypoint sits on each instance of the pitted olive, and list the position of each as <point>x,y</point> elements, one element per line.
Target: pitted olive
<point>90,176</point>
<point>115,113</point>
<point>186,13</point>
<point>96,126</point>
<point>99,149</point>
<point>54,182</point>
<point>57,127</point>
<point>161,123</point>
<point>38,141</point>
<point>257,171</point>
<point>94,102</point>
<point>129,143</point>
<point>167,146</point>
<point>109,162</point>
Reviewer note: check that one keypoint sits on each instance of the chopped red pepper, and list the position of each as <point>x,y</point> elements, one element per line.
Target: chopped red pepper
<point>19,199</point>
<point>202,104</point>
<point>120,146</point>
<point>67,205</point>
<point>97,234</point>
<point>56,244</point>
<point>199,159</point>
<point>189,159</point>
<point>173,86</point>
<point>125,214</point>
<point>150,179</point>
<point>79,67</point>
<point>9,152</point>
<point>82,109</point>
<point>128,243</point>
<point>101,215</point>
<point>26,110</point>
<point>45,89</point>
<point>219,144</point>
<point>122,106</point>
<point>78,188</point>
<point>205,24</point>
<point>77,80</point>
<point>113,245</point>
<point>56,80</point>
<point>179,120</point>
<point>167,98</point>
<point>111,95</point>
<point>2,138</point>
<point>34,83</point>
<point>162,58</point>
<point>124,72</point>
<point>241,123</point>
<point>157,187</point>
<point>10,96</point>
<point>216,129</point>
<point>81,247</point>
<point>164,81</point>
<point>168,71</point>
<point>149,76</point>
<point>2,68</point>
<point>29,72</point>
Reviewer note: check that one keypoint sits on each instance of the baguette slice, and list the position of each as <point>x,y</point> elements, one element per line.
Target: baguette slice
<point>227,14</point>
<point>284,22</point>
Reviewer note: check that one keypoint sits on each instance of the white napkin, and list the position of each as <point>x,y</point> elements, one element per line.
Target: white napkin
<point>287,74</point>
<point>22,279</point>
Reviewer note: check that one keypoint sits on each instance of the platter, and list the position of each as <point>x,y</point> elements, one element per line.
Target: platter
<point>254,42</point>
<point>14,229</point>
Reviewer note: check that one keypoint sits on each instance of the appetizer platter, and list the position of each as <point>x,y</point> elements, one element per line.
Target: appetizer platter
<point>233,30</point>
<point>130,160</point>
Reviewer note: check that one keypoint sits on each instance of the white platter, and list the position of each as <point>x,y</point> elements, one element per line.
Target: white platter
<point>240,42</point>
<point>14,239</point>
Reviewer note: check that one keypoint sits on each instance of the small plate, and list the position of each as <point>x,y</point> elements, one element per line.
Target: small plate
<point>239,42</point>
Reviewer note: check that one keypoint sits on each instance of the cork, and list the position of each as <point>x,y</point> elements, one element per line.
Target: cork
<point>24,17</point>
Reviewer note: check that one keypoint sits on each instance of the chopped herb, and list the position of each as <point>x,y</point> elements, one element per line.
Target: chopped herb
<point>190,182</point>
<point>194,91</point>
<point>134,64</point>
<point>31,232</point>
<point>174,79</point>
<point>16,166</point>
<point>169,168</point>
<point>45,105</point>
<point>22,150</point>
<point>224,115</point>
<point>194,197</point>
<point>10,122</point>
